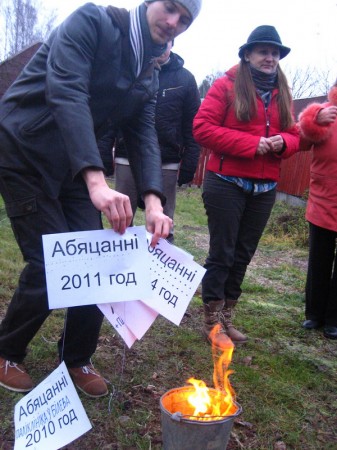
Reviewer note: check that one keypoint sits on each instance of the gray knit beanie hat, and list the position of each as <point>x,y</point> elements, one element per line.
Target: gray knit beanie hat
<point>192,6</point>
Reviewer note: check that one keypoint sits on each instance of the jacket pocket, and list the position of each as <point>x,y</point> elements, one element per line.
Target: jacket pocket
<point>37,123</point>
<point>21,207</point>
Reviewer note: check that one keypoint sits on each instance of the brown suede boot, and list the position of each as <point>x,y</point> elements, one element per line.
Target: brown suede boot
<point>227,313</point>
<point>213,315</point>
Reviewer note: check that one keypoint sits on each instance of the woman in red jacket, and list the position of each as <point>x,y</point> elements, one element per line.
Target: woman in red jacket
<point>246,120</point>
<point>318,126</point>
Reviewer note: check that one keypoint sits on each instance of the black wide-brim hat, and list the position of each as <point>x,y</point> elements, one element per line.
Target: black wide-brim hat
<point>264,34</point>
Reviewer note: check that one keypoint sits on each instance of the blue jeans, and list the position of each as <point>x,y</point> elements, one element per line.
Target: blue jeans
<point>236,220</point>
<point>33,214</point>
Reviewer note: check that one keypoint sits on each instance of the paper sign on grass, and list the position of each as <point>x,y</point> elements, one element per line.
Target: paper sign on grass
<point>100,266</point>
<point>51,416</point>
<point>174,280</point>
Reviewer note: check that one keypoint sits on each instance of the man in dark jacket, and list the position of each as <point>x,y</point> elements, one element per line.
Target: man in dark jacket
<point>178,101</point>
<point>95,73</point>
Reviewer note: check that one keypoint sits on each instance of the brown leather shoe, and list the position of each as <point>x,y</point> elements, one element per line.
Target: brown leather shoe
<point>14,377</point>
<point>89,380</point>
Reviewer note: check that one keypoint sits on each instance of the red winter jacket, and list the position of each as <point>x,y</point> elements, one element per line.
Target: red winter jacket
<point>322,201</point>
<point>233,143</point>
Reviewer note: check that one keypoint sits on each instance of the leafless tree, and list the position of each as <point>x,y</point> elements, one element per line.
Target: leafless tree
<point>23,22</point>
<point>308,82</point>
<point>208,81</point>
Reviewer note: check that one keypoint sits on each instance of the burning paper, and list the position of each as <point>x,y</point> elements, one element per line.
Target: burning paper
<point>200,403</point>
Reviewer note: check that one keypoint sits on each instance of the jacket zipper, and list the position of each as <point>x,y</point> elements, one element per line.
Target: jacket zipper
<point>221,162</point>
<point>170,89</point>
<point>267,122</point>
<point>267,133</point>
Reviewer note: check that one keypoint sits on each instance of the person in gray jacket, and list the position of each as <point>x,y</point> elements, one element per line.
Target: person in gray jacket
<point>178,101</point>
<point>95,72</point>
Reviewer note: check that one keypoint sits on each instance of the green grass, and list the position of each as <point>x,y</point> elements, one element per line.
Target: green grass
<point>284,377</point>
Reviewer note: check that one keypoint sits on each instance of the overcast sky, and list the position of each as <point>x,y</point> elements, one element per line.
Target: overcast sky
<point>308,27</point>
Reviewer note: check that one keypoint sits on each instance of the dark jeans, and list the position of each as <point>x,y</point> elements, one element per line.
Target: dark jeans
<point>236,221</point>
<point>321,285</point>
<point>33,214</point>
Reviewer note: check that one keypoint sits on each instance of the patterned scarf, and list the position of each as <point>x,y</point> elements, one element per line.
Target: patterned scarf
<point>136,38</point>
<point>139,30</point>
<point>264,83</point>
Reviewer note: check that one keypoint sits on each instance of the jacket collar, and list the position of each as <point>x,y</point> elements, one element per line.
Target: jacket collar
<point>175,63</point>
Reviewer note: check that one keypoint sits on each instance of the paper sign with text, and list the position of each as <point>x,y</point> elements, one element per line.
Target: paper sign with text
<point>175,277</point>
<point>100,266</point>
<point>51,416</point>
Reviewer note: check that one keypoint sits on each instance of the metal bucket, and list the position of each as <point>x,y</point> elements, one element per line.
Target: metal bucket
<point>180,432</point>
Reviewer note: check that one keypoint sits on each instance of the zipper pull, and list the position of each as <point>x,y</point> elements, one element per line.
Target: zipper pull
<point>267,127</point>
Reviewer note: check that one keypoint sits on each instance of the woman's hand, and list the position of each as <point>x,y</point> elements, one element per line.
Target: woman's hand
<point>273,144</point>
<point>264,146</point>
<point>277,143</point>
<point>327,115</point>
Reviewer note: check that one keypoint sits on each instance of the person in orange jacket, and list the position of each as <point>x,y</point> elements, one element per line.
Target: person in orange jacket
<point>318,128</point>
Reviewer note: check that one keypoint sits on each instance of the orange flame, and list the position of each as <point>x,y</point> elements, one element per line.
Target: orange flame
<point>218,402</point>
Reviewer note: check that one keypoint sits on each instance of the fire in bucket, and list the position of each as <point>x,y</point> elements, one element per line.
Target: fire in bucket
<point>197,417</point>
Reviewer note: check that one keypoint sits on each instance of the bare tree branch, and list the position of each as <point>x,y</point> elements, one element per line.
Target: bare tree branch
<point>308,82</point>
<point>23,24</point>
<point>208,81</point>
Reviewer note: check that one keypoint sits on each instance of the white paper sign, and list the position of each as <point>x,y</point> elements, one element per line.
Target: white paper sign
<point>90,267</point>
<point>129,317</point>
<point>51,416</point>
<point>174,280</point>
<point>118,323</point>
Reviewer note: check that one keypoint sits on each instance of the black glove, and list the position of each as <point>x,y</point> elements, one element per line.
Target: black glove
<point>185,177</point>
